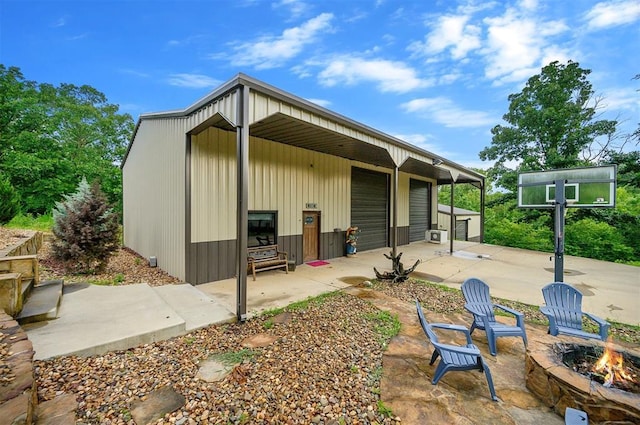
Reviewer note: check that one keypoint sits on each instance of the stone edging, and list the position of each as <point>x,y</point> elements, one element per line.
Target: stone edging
<point>558,387</point>
<point>30,246</point>
<point>19,395</point>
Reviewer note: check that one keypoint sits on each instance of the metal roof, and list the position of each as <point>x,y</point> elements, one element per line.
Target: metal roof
<point>283,128</point>
<point>286,129</point>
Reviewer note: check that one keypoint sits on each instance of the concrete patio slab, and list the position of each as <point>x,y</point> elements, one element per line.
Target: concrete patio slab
<point>95,319</point>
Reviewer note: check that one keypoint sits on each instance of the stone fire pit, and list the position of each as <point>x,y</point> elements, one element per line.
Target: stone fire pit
<point>559,387</point>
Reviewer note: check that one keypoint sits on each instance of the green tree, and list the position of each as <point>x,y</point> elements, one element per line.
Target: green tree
<point>86,230</point>
<point>628,167</point>
<point>51,137</point>
<point>9,200</point>
<point>593,239</point>
<point>465,196</point>
<point>552,125</point>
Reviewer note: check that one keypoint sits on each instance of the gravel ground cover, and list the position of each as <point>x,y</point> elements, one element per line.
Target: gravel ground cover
<point>324,367</point>
<point>9,237</point>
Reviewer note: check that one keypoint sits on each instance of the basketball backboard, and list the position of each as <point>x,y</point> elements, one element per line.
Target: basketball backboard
<point>587,187</point>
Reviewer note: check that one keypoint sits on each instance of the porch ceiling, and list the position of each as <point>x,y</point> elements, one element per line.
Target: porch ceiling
<point>441,174</point>
<point>291,131</point>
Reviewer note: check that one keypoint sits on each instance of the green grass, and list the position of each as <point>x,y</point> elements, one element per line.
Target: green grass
<point>300,305</point>
<point>386,325</point>
<point>384,410</point>
<point>268,324</point>
<point>42,223</point>
<point>235,357</point>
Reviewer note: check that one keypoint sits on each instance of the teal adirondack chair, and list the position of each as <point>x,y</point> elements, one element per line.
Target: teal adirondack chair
<point>478,303</point>
<point>454,357</point>
<point>564,310</point>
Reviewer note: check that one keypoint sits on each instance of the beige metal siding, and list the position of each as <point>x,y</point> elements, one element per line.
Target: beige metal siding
<point>286,179</point>
<point>227,106</point>
<point>473,228</point>
<point>281,178</point>
<point>213,185</point>
<point>154,198</point>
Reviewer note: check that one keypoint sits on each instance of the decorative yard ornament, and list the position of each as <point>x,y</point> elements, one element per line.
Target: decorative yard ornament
<point>399,274</point>
<point>352,238</point>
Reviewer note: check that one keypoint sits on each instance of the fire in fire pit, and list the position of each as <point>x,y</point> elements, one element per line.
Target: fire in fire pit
<point>606,366</point>
<point>561,375</point>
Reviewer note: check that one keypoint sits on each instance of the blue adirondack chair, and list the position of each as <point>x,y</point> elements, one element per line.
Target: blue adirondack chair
<point>564,310</point>
<point>454,357</point>
<point>575,417</point>
<point>478,303</point>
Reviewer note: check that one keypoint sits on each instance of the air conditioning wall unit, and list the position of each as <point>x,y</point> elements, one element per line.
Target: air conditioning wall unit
<point>436,236</point>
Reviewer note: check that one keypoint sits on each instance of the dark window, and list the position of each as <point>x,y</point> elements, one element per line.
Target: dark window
<point>263,229</point>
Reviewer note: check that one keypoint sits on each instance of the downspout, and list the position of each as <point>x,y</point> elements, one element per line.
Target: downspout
<point>242,232</point>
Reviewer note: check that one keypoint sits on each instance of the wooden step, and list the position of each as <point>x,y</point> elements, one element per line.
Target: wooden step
<point>27,287</point>
<point>43,303</point>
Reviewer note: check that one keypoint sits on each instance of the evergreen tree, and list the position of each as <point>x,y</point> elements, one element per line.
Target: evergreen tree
<point>86,230</point>
<point>9,200</point>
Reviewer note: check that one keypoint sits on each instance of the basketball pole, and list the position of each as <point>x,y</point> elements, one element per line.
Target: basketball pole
<point>560,205</point>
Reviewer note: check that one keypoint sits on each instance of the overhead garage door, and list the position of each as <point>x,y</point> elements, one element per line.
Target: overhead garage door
<point>418,209</point>
<point>370,207</point>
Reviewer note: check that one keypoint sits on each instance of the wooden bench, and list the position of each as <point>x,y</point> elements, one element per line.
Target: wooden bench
<point>267,257</point>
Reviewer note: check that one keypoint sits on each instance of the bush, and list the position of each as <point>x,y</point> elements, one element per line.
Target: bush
<point>9,200</point>
<point>86,230</point>
<point>592,239</point>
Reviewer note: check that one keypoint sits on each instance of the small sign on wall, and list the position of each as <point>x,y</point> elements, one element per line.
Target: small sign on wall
<point>311,205</point>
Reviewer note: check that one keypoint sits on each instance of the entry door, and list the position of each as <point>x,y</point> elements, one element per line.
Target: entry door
<point>310,235</point>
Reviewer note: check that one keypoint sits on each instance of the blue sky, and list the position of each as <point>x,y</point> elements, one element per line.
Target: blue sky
<point>436,73</point>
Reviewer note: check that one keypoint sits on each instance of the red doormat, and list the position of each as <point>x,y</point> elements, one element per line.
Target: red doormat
<point>317,263</point>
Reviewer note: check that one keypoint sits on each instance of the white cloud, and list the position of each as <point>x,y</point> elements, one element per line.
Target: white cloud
<point>61,22</point>
<point>192,81</point>
<point>389,76</point>
<point>451,32</point>
<point>321,102</point>
<point>419,140</point>
<point>516,44</point>
<point>296,7</point>
<point>445,112</point>
<point>273,51</point>
<point>613,13</point>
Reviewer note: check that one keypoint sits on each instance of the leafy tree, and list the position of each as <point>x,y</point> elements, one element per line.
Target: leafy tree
<point>628,167</point>
<point>50,137</point>
<point>86,229</point>
<point>9,200</point>
<point>552,125</point>
<point>592,239</point>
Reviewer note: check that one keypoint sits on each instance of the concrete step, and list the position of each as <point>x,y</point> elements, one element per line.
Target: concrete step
<point>43,303</point>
